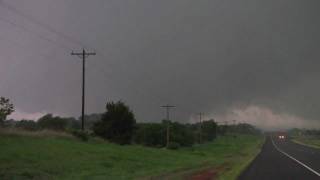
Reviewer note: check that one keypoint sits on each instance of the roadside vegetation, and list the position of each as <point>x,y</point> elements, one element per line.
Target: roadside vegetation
<point>115,146</point>
<point>61,157</point>
<point>306,137</point>
<point>118,125</point>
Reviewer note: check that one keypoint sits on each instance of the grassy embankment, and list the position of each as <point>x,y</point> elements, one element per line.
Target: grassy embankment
<point>311,141</point>
<point>51,157</point>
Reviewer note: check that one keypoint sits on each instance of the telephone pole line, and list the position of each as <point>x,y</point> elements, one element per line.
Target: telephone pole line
<point>83,55</point>
<point>200,127</point>
<point>168,107</point>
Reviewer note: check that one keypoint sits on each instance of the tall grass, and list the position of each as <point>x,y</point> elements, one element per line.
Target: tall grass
<point>40,133</point>
<point>25,156</point>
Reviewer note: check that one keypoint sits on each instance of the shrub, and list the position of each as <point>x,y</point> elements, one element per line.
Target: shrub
<point>84,136</point>
<point>182,134</point>
<point>54,123</point>
<point>150,134</point>
<point>173,146</point>
<point>154,134</point>
<point>209,130</point>
<point>27,125</point>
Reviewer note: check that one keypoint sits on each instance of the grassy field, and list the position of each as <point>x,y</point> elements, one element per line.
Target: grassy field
<point>38,157</point>
<point>308,141</point>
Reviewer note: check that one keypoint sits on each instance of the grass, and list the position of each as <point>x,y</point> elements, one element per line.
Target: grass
<point>59,157</point>
<point>243,159</point>
<point>41,133</point>
<point>311,141</point>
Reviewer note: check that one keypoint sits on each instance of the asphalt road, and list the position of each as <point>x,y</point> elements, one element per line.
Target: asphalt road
<point>284,160</point>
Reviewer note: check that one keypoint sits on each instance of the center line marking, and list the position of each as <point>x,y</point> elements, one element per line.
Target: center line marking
<point>309,168</point>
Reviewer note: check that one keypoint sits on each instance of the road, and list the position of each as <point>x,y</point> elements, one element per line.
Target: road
<point>284,160</point>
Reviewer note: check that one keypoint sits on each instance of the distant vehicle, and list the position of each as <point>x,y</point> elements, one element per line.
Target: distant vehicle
<point>282,135</point>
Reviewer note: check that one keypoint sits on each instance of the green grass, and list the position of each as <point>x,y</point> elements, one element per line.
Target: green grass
<point>308,141</point>
<point>242,159</point>
<point>28,157</point>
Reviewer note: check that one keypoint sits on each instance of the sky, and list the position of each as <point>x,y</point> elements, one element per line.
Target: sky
<point>250,61</point>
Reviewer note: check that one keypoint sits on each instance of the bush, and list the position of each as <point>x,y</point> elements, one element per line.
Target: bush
<point>54,123</point>
<point>181,133</point>
<point>173,146</point>
<point>117,124</point>
<point>84,136</point>
<point>154,134</point>
<point>150,134</point>
<point>27,125</point>
<point>209,130</point>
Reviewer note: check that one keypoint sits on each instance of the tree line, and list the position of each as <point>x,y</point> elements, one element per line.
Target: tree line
<point>118,125</point>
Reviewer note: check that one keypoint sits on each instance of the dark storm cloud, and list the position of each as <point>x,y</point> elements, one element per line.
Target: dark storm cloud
<point>211,56</point>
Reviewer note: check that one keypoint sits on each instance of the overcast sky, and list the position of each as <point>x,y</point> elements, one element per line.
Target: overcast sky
<point>249,60</point>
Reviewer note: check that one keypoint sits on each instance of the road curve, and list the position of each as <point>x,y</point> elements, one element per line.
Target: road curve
<point>274,162</point>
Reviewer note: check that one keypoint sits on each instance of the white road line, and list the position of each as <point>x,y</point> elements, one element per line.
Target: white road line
<point>309,168</point>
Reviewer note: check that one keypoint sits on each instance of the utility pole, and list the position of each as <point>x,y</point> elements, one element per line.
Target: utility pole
<point>234,125</point>
<point>216,129</point>
<point>168,107</point>
<point>83,55</point>
<point>226,124</point>
<point>200,127</point>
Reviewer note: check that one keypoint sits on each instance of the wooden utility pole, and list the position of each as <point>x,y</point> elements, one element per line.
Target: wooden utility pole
<point>200,127</point>
<point>168,107</point>
<point>83,55</point>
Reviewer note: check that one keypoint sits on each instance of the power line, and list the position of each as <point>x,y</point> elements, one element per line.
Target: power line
<point>18,44</point>
<point>48,28</point>
<point>49,40</point>
<point>63,47</point>
<point>39,23</point>
<point>83,55</point>
<point>12,23</point>
<point>45,26</point>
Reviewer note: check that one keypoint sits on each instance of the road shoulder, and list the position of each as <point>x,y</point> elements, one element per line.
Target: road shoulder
<point>230,167</point>
<point>305,143</point>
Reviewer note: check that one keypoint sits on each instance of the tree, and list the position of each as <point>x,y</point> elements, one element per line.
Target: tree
<point>54,123</point>
<point>117,123</point>
<point>27,125</point>
<point>209,130</point>
<point>6,108</point>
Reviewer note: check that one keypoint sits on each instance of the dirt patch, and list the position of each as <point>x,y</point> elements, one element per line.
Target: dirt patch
<point>208,174</point>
